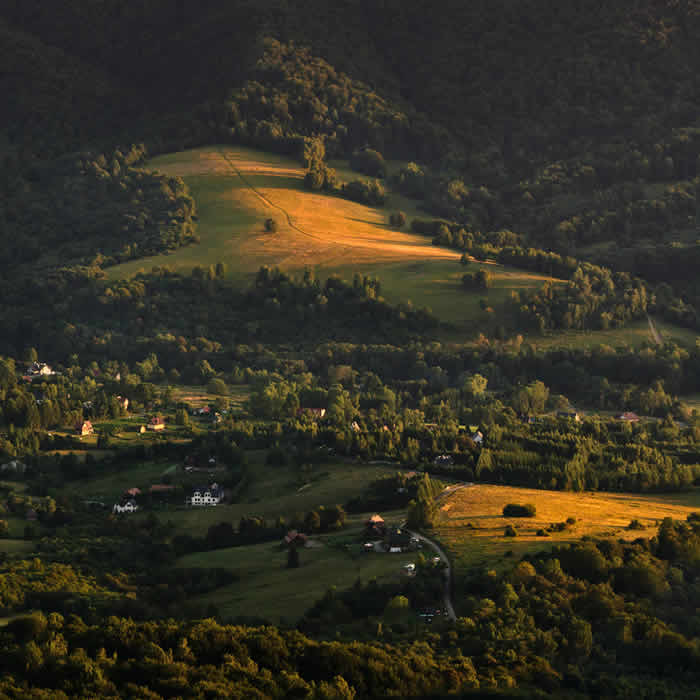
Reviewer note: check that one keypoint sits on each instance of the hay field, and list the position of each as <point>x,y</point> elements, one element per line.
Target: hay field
<point>237,188</point>
<point>597,514</point>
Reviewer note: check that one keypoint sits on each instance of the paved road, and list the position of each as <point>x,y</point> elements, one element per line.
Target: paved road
<point>447,593</point>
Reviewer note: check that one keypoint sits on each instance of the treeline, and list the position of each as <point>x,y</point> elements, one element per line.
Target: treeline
<point>172,308</point>
<point>90,209</point>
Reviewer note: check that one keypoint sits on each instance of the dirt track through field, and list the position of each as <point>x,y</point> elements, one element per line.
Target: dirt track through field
<point>268,201</point>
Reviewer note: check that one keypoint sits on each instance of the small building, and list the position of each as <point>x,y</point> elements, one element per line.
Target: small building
<point>375,526</point>
<point>142,429</point>
<point>409,569</point>
<point>156,423</point>
<point>312,412</point>
<point>628,417</point>
<point>396,537</point>
<point>355,427</point>
<point>295,538</point>
<point>569,415</point>
<point>39,369</point>
<point>206,496</point>
<point>84,428</point>
<point>14,465</point>
<point>132,492</point>
<point>478,438</point>
<point>123,402</point>
<point>129,506</point>
<point>368,546</point>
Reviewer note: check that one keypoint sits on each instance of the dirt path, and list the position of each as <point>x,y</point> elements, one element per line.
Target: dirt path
<point>269,202</point>
<point>656,337</point>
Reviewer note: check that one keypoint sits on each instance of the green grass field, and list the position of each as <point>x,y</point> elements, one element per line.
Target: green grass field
<point>268,589</point>
<point>110,487</point>
<point>634,335</point>
<point>280,491</point>
<point>597,514</point>
<point>326,233</point>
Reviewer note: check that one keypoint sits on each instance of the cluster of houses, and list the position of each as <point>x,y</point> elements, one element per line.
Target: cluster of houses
<point>37,370</point>
<point>393,539</point>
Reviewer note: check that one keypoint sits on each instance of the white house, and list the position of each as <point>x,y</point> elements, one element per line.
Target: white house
<point>206,496</point>
<point>39,368</point>
<point>129,506</point>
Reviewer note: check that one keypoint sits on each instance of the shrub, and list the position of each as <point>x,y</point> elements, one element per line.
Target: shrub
<point>369,162</point>
<point>635,525</point>
<point>270,225</point>
<point>517,510</point>
<point>542,533</point>
<point>510,531</point>
<point>397,219</point>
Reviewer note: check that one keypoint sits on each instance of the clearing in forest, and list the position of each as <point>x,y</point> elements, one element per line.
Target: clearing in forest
<point>236,189</point>
<point>471,525</point>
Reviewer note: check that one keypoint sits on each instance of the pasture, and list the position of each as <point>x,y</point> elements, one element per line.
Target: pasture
<point>283,491</point>
<point>236,189</point>
<point>634,334</point>
<point>267,588</point>
<point>471,525</point>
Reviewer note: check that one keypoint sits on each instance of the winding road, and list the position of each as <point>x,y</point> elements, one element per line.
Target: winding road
<point>447,592</point>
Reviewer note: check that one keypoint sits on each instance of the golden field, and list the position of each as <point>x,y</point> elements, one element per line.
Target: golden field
<point>597,515</point>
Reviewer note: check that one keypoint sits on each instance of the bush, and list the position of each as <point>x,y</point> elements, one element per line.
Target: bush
<point>635,525</point>
<point>542,533</point>
<point>369,162</point>
<point>510,531</point>
<point>398,219</point>
<point>270,225</point>
<point>517,510</point>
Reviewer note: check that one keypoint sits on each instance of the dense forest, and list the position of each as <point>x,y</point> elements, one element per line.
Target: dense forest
<point>554,138</point>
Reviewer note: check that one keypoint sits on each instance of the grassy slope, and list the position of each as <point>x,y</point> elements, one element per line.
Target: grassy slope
<point>268,589</point>
<point>597,514</point>
<point>332,235</point>
<point>276,491</point>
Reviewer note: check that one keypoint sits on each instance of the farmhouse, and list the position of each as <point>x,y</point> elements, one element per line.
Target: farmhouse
<point>375,526</point>
<point>206,496</point>
<point>569,415</point>
<point>129,506</point>
<point>39,369</point>
<point>156,423</point>
<point>628,417</point>
<point>84,428</point>
<point>123,402</point>
<point>312,412</point>
<point>295,538</point>
<point>13,465</point>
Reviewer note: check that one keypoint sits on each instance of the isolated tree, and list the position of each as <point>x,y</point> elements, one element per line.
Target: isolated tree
<point>270,225</point>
